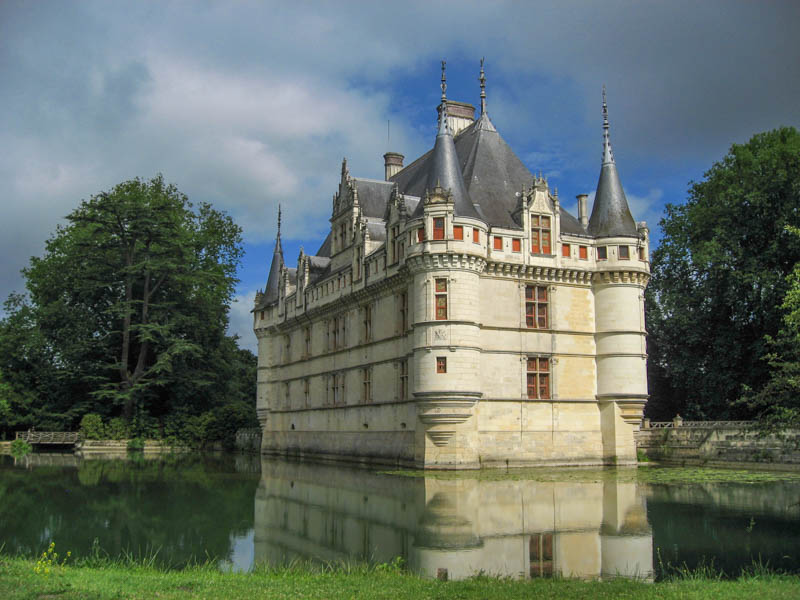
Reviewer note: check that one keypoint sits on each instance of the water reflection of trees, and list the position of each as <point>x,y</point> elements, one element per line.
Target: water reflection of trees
<point>183,508</point>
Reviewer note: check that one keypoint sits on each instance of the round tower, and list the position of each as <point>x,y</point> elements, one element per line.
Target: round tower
<point>621,275</point>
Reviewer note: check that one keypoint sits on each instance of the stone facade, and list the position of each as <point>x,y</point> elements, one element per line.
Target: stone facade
<point>458,317</point>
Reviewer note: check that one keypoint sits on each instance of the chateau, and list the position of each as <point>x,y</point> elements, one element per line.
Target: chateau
<point>457,316</point>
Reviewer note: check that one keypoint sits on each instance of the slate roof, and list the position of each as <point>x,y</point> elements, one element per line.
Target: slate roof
<point>273,280</point>
<point>492,173</point>
<point>373,196</point>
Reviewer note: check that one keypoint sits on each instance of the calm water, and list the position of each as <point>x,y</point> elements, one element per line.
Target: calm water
<point>241,510</point>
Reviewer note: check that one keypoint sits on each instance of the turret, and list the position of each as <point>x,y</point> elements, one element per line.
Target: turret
<point>273,281</point>
<point>611,216</point>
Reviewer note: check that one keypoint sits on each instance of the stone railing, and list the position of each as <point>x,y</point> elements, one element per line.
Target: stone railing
<point>48,437</point>
<point>679,422</point>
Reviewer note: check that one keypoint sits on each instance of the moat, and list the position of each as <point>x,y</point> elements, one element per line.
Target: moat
<point>241,510</point>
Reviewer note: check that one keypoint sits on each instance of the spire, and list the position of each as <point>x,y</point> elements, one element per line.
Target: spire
<point>445,168</point>
<point>482,79</point>
<point>611,216</point>
<point>273,281</point>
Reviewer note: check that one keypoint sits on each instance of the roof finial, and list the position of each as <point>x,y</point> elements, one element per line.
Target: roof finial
<point>482,79</point>
<point>608,156</point>
<point>444,82</point>
<point>279,221</point>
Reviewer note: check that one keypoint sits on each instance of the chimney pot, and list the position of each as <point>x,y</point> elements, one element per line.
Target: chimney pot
<point>583,209</point>
<point>393,164</point>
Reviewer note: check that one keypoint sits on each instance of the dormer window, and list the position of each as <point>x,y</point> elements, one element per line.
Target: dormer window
<point>540,234</point>
<point>438,228</point>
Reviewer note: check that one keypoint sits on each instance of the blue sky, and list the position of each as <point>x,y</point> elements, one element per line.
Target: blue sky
<point>250,104</point>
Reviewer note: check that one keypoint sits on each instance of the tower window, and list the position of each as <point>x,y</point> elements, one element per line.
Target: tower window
<point>441,364</point>
<point>566,250</point>
<point>403,302</point>
<point>516,245</point>
<point>403,391</point>
<point>476,235</point>
<point>438,228</point>
<point>624,253</point>
<point>602,253</point>
<point>421,235</point>
<point>366,395</point>
<point>458,232</point>
<point>367,322</point>
<point>540,234</point>
<point>642,256</point>
<point>538,377</point>
<point>498,242</point>
<point>441,299</point>
<point>307,338</point>
<point>583,252</point>
<point>536,306</point>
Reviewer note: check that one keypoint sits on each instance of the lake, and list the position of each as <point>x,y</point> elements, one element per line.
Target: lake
<point>241,510</point>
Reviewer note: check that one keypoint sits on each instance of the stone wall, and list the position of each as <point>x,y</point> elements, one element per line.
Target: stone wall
<point>248,440</point>
<point>694,442</point>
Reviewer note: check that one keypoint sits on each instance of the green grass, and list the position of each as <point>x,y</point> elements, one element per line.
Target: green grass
<point>117,580</point>
<point>644,473</point>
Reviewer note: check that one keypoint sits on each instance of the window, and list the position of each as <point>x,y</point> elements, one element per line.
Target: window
<point>262,312</point>
<point>441,364</point>
<point>583,252</point>
<point>602,253</point>
<point>307,338</point>
<point>438,228</point>
<point>286,400</point>
<point>328,336</point>
<point>343,331</point>
<point>540,234</point>
<point>498,242</point>
<point>403,306</point>
<point>403,391</point>
<point>337,378</point>
<point>516,245</point>
<point>624,253</point>
<point>566,250</point>
<point>287,348</point>
<point>421,234</point>
<point>342,235</point>
<point>536,306</point>
<point>335,327</point>
<point>395,243</point>
<point>458,232</point>
<point>306,390</point>
<point>642,256</point>
<point>342,398</point>
<point>538,377</point>
<point>476,235</point>
<point>367,322</point>
<point>441,299</point>
<point>366,394</point>
<point>359,257</point>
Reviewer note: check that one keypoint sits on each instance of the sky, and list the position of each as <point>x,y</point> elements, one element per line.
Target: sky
<point>248,105</point>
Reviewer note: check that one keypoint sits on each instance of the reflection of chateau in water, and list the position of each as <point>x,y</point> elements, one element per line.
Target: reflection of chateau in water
<point>517,528</point>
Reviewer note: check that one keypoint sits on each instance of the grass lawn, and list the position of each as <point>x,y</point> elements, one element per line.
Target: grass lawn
<point>117,580</point>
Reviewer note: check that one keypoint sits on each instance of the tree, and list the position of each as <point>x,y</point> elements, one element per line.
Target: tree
<point>135,285</point>
<point>719,279</point>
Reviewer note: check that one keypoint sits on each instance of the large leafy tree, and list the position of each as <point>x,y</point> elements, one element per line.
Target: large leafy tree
<point>127,308</point>
<point>719,280</point>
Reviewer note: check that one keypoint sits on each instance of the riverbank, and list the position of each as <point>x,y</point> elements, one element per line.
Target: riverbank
<point>18,580</point>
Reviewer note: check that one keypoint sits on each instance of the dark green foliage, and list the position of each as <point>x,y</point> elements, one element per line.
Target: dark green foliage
<point>719,279</point>
<point>20,448</point>
<point>92,427</point>
<point>126,317</point>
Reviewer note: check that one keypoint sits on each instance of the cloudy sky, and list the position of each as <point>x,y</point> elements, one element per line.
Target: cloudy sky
<point>250,104</point>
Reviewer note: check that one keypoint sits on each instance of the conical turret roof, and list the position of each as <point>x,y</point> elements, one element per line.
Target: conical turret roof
<point>445,170</point>
<point>273,281</point>
<point>611,216</point>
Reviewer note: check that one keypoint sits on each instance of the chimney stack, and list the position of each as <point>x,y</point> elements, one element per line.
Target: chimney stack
<point>583,209</point>
<point>393,164</point>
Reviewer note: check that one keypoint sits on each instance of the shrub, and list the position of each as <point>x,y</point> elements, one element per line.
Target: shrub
<point>20,448</point>
<point>117,429</point>
<point>92,427</point>
<point>136,445</point>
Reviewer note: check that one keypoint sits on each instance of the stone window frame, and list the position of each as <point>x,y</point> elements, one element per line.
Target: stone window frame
<point>602,253</point>
<point>402,311</point>
<point>366,322</point>
<point>497,242</point>
<point>624,253</point>
<point>566,250</point>
<point>583,252</point>
<point>538,231</point>
<point>402,379</point>
<point>438,232</point>
<point>458,232</point>
<point>538,367</point>
<point>366,382</point>
<point>476,235</point>
<point>307,340</point>
<point>642,255</point>
<point>443,294</point>
<point>536,306</point>
<point>287,348</point>
<point>516,245</point>
<point>306,390</point>
<point>441,364</point>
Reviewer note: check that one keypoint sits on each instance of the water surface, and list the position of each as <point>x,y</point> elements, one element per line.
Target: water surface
<point>241,510</point>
